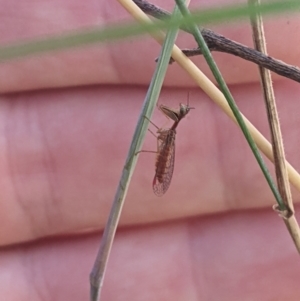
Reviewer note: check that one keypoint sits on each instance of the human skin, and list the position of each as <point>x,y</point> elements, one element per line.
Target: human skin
<point>67,119</point>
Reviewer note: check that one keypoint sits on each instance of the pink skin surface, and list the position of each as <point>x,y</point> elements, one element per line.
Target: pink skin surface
<point>67,119</point>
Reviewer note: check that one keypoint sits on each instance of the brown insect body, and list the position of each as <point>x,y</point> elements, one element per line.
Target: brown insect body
<point>164,165</point>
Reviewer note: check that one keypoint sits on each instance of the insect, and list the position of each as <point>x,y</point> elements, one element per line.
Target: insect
<point>165,154</point>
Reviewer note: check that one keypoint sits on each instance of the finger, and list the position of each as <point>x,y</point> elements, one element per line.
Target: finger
<point>118,63</point>
<point>63,153</point>
<point>239,256</point>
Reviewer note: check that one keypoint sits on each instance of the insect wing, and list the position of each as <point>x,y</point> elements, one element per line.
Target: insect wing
<point>166,157</point>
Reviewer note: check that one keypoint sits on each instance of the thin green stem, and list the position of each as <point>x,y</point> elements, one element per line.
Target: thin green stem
<point>98,271</point>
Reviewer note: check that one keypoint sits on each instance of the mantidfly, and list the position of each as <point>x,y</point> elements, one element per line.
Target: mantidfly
<point>165,154</point>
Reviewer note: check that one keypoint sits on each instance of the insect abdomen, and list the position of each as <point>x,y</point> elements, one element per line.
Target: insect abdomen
<point>164,156</point>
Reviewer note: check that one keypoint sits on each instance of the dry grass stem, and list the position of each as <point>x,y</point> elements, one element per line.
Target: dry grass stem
<point>277,142</point>
<point>217,42</point>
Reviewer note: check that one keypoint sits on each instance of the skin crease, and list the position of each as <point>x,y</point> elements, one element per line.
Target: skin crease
<point>213,236</point>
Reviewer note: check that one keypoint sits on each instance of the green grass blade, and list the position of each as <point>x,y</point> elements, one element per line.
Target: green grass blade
<point>97,274</point>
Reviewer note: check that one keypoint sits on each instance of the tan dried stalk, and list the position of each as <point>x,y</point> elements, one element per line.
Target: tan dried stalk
<point>287,214</point>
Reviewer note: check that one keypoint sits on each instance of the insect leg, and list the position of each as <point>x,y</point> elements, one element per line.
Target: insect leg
<point>145,151</point>
<point>151,122</point>
<point>152,133</point>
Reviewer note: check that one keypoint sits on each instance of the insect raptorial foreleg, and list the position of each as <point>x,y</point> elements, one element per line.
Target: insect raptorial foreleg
<point>167,117</point>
